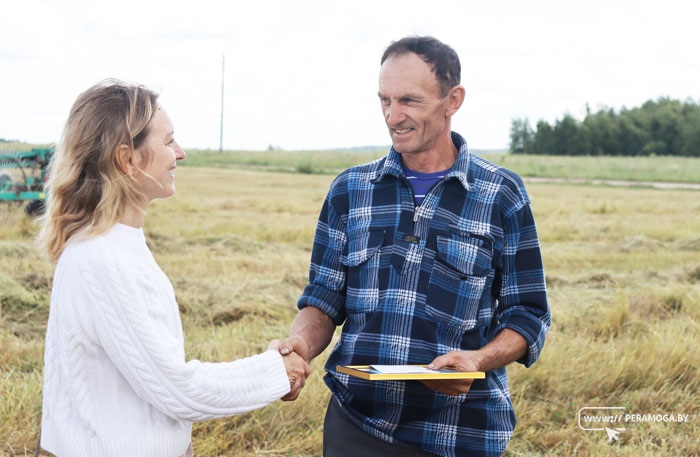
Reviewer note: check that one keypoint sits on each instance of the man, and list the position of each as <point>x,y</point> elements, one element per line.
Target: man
<point>427,256</point>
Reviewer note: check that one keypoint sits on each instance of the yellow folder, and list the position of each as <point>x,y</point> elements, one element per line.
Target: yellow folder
<point>406,373</point>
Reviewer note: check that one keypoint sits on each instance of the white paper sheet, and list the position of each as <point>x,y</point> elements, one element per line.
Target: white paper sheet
<point>401,369</point>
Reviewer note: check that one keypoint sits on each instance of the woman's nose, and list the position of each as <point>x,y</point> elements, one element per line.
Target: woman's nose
<point>179,152</point>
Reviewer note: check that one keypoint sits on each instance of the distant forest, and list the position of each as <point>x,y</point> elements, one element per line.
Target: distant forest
<point>661,127</point>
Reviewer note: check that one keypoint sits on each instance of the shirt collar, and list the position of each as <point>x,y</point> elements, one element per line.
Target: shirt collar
<point>460,170</point>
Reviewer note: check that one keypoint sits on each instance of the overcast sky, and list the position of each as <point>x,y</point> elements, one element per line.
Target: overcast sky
<point>302,74</point>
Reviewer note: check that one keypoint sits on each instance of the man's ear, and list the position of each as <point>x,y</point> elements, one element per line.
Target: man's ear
<point>125,159</point>
<point>455,99</point>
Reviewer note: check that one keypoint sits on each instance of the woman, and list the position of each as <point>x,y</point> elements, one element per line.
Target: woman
<point>115,378</point>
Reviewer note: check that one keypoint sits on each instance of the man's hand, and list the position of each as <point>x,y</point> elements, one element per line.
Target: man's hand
<point>455,360</point>
<point>298,369</point>
<point>507,347</point>
<point>295,343</point>
<point>294,346</point>
<point>311,332</point>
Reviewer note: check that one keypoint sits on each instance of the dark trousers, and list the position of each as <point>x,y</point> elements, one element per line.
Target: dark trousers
<point>342,438</point>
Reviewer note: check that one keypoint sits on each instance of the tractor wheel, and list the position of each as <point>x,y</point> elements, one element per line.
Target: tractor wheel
<point>13,174</point>
<point>5,181</point>
<point>35,208</point>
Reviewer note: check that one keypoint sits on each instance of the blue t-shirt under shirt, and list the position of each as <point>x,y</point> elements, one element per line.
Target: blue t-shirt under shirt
<point>422,182</point>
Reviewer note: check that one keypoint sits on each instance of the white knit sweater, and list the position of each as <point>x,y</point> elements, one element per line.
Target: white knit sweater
<point>115,378</point>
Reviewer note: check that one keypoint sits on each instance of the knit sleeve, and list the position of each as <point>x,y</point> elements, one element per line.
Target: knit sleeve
<point>150,358</point>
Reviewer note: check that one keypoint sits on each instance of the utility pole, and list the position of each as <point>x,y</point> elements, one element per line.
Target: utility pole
<point>221,131</point>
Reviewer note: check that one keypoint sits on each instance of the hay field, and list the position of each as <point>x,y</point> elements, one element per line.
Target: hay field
<point>623,272</point>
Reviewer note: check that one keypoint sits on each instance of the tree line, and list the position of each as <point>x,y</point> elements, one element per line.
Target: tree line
<point>658,127</point>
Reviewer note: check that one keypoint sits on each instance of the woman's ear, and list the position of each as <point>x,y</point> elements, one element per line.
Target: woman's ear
<point>125,160</point>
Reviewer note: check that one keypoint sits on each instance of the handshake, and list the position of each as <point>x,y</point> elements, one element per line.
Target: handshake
<point>295,354</point>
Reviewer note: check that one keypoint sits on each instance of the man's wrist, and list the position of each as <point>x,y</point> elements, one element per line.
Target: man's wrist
<point>481,358</point>
<point>301,346</point>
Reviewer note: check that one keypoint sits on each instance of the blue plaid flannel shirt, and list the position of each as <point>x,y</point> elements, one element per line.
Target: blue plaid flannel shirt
<point>411,283</point>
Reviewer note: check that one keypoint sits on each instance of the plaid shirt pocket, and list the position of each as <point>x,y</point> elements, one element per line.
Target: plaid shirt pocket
<point>459,276</point>
<point>361,257</point>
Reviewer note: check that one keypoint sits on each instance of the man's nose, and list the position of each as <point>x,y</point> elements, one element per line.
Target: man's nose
<point>394,115</point>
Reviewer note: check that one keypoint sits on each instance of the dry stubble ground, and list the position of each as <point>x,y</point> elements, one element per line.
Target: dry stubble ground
<point>623,273</point>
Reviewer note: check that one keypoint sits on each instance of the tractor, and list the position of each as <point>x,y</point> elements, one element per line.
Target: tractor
<point>22,178</point>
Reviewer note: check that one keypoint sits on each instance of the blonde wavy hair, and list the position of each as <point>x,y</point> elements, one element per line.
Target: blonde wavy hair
<point>88,189</point>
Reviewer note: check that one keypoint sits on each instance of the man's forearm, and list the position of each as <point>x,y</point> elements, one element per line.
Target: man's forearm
<point>507,347</point>
<point>315,328</point>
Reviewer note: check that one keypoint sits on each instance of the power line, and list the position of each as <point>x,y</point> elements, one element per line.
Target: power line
<point>221,131</point>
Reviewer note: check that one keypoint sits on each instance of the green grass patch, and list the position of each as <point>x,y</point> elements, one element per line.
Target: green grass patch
<point>664,169</point>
